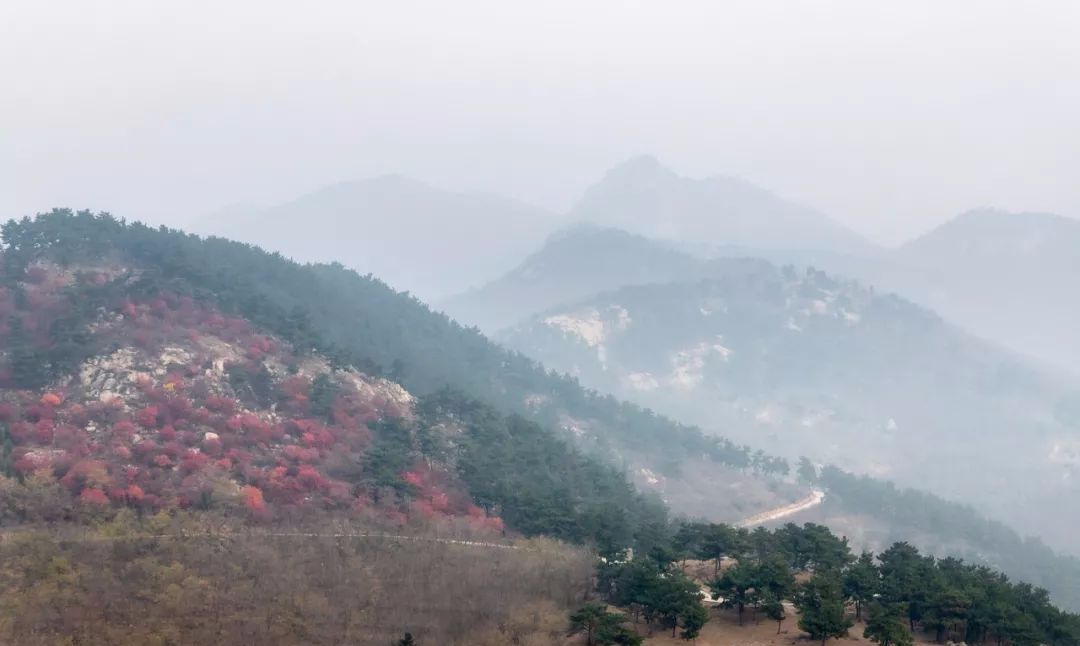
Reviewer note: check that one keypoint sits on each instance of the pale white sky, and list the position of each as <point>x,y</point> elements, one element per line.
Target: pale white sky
<point>890,116</point>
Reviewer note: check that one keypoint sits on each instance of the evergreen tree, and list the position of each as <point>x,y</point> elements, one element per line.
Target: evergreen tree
<point>862,581</point>
<point>588,619</point>
<point>774,609</point>
<point>737,588</point>
<point>821,608</point>
<point>886,627</point>
<point>693,618</point>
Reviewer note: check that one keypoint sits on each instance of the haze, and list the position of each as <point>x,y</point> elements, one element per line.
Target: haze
<point>889,118</point>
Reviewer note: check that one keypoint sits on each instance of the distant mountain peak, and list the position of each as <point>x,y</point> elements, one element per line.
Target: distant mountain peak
<point>646,197</point>
<point>640,167</point>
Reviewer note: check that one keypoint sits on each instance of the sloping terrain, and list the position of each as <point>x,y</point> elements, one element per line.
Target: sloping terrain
<point>1009,276</point>
<point>128,386</point>
<point>497,457</point>
<point>811,365</point>
<point>576,263</point>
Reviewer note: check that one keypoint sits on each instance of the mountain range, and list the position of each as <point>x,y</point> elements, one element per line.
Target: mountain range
<point>814,365</point>
<point>449,247</point>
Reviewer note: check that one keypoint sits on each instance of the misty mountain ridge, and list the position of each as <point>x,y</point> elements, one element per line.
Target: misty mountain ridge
<point>418,238</point>
<point>577,262</point>
<point>643,196</point>
<point>1008,276</point>
<point>813,365</point>
<point>459,249</point>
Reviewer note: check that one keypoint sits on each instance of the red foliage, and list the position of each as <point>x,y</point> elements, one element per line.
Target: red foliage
<point>43,431</point>
<point>148,416</point>
<point>256,505</point>
<point>93,498</point>
<point>282,456</point>
<point>134,493</point>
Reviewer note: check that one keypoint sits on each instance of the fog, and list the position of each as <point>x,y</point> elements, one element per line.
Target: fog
<point>705,282</point>
<point>889,118</point>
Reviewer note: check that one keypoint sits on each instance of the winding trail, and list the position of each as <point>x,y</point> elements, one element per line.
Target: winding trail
<point>815,498</point>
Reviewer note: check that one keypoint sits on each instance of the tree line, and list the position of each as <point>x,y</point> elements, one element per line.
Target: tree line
<point>899,594</point>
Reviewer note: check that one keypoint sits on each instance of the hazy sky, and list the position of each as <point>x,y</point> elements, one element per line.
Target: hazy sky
<point>890,116</point>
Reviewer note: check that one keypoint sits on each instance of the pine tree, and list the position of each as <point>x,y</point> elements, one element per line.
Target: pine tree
<point>886,627</point>
<point>821,608</point>
<point>862,581</point>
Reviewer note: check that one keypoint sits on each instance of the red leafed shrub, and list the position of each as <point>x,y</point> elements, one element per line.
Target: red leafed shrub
<point>123,429</point>
<point>193,461</point>
<point>145,448</point>
<point>51,399</point>
<point>212,446</point>
<point>423,509</point>
<point>148,417</point>
<point>21,432</point>
<point>256,505</point>
<point>70,438</point>
<point>86,474</point>
<point>413,478</point>
<point>38,411</point>
<point>167,433</point>
<point>440,501</point>
<point>43,432</point>
<point>94,498</point>
<point>134,493</point>
<point>311,478</point>
<point>77,415</point>
<point>162,460</point>
<point>173,449</point>
<point>30,463</point>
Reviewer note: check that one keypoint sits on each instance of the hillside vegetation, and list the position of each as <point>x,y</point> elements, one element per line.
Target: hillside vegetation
<point>818,366</point>
<point>356,321</point>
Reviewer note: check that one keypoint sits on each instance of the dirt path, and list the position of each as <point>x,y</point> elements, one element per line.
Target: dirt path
<point>815,498</point>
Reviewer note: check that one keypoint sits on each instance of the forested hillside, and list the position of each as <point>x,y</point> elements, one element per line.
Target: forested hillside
<point>358,321</point>
<point>819,366</point>
<point>576,263</point>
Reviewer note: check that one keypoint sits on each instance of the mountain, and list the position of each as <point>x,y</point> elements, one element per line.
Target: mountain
<point>813,365</point>
<point>643,196</point>
<point>416,237</point>
<point>1008,276</point>
<point>211,324</point>
<point>574,263</point>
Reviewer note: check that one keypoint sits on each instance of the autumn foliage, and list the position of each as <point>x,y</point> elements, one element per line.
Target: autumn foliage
<point>198,410</point>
